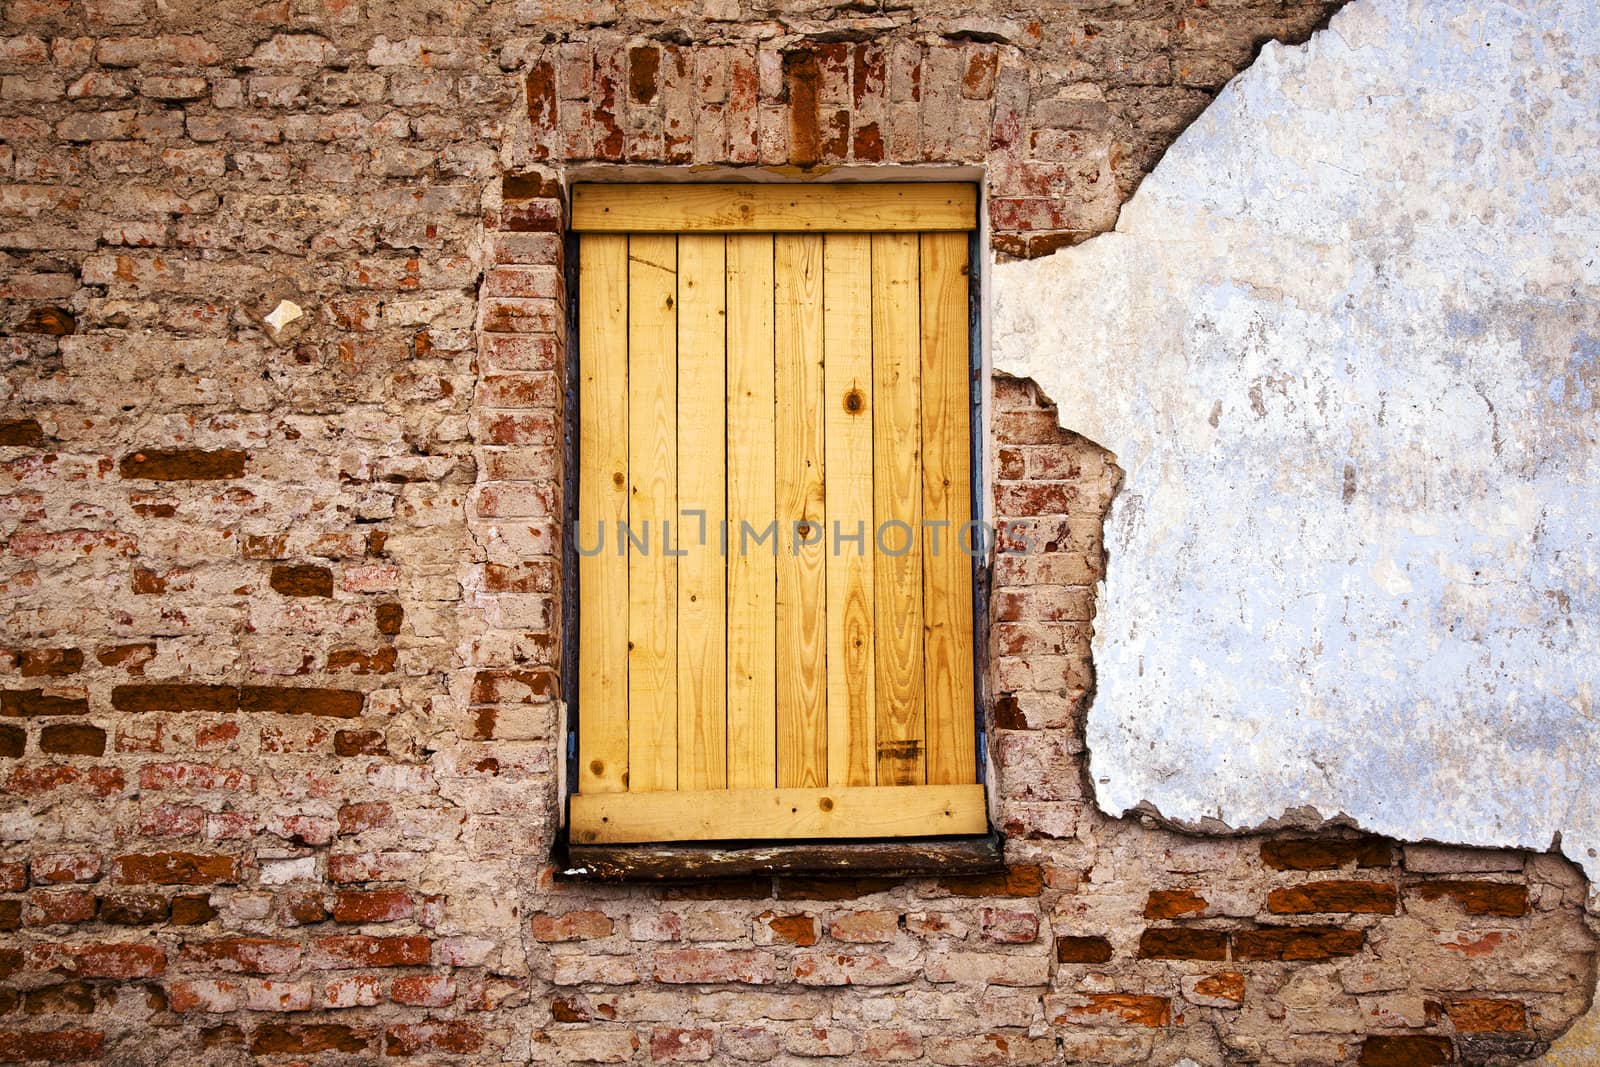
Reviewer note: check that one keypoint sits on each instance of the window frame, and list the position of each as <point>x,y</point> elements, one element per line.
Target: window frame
<point>673,860</point>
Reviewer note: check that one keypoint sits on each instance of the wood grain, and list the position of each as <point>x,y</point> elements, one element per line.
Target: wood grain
<point>790,208</point>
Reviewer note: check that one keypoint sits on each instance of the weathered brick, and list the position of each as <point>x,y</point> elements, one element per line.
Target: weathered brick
<point>278,1039</point>
<point>1376,898</point>
<point>174,868</point>
<point>1326,854</point>
<point>1076,949</point>
<point>183,464</point>
<point>1183,943</point>
<point>1476,898</point>
<point>1405,1050</point>
<point>1109,1009</point>
<point>705,966</point>
<point>1174,904</point>
<point>40,702</point>
<point>1487,1015</point>
<point>1296,943</point>
<point>336,953</point>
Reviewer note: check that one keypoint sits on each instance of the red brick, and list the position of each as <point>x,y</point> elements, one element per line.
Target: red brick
<point>244,955</point>
<point>63,998</point>
<point>359,743</point>
<point>1296,943</point>
<point>49,662</point>
<point>791,929</point>
<point>192,909</point>
<point>60,867</point>
<point>72,739</point>
<point>134,909</point>
<point>1071,949</point>
<point>1405,1050</point>
<point>21,433</point>
<point>339,953</point>
<point>173,696</point>
<point>453,1037</point>
<point>1173,904</point>
<point>379,906</point>
<point>424,990</point>
<point>1326,854</point>
<point>183,464</point>
<point>35,702</point>
<point>174,868</point>
<point>1481,1015</point>
<point>1008,927</point>
<point>1367,898</point>
<point>45,909</point>
<point>1022,881</point>
<point>58,1046</point>
<point>111,960</point>
<point>1104,1009</point>
<point>1183,943</point>
<point>301,700</point>
<point>302,580</point>
<point>671,1044</point>
<point>359,818</point>
<point>1477,898</point>
<point>277,1039</point>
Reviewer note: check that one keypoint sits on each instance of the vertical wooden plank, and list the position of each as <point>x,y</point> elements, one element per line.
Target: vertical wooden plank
<point>702,603</point>
<point>946,500</point>
<point>653,490</point>
<point>847,421</point>
<point>897,495</point>
<point>602,504</point>
<point>752,566</point>
<point>802,591</point>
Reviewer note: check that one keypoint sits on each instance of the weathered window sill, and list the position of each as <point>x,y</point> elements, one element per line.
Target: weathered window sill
<point>844,859</point>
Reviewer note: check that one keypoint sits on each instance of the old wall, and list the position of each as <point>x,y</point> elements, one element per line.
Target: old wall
<point>280,717</point>
<point>1343,342</point>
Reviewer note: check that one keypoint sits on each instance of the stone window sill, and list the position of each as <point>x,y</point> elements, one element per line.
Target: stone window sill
<point>844,859</point>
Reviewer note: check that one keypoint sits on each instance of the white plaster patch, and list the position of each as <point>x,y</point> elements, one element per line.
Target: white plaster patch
<point>1345,342</point>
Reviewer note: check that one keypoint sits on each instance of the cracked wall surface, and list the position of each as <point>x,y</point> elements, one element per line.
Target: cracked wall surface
<point>1345,341</point>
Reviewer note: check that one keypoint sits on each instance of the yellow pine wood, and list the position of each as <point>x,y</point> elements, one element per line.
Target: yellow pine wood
<point>897,493</point>
<point>847,420</point>
<point>946,498</point>
<point>702,474</point>
<point>802,590</point>
<point>653,477</point>
<point>745,208</point>
<point>736,814</point>
<point>752,568</point>
<point>602,503</point>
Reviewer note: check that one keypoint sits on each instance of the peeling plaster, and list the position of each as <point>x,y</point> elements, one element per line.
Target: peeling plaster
<point>1345,342</point>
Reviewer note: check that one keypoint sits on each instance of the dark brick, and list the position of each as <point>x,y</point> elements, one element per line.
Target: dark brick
<point>388,618</point>
<point>1012,882</point>
<point>1367,898</point>
<point>1173,904</point>
<point>1477,898</point>
<point>48,320</point>
<point>133,909</point>
<point>294,700</point>
<point>1083,949</point>
<point>821,888</point>
<point>278,1039</point>
<point>65,998</point>
<point>644,63</point>
<point>1405,1050</point>
<point>21,433</point>
<point>1326,854</point>
<point>12,741</point>
<point>58,1046</point>
<point>10,915</point>
<point>175,696</point>
<point>1296,943</point>
<point>49,662</point>
<point>455,1037</point>
<point>192,909</point>
<point>30,702</point>
<point>359,743</point>
<point>302,579</point>
<point>174,868</point>
<point>1183,943</point>
<point>183,464</point>
<point>72,739</point>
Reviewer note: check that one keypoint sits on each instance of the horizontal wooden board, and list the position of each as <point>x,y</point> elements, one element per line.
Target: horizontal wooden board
<point>732,208</point>
<point>751,814</point>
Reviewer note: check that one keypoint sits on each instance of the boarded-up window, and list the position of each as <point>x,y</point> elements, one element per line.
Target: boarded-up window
<point>775,633</point>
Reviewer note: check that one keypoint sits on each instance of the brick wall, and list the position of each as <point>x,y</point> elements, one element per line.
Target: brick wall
<point>279,716</point>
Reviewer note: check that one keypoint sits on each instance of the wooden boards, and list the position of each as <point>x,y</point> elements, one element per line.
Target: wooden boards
<point>775,464</point>
<point>752,208</point>
<point>754,814</point>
